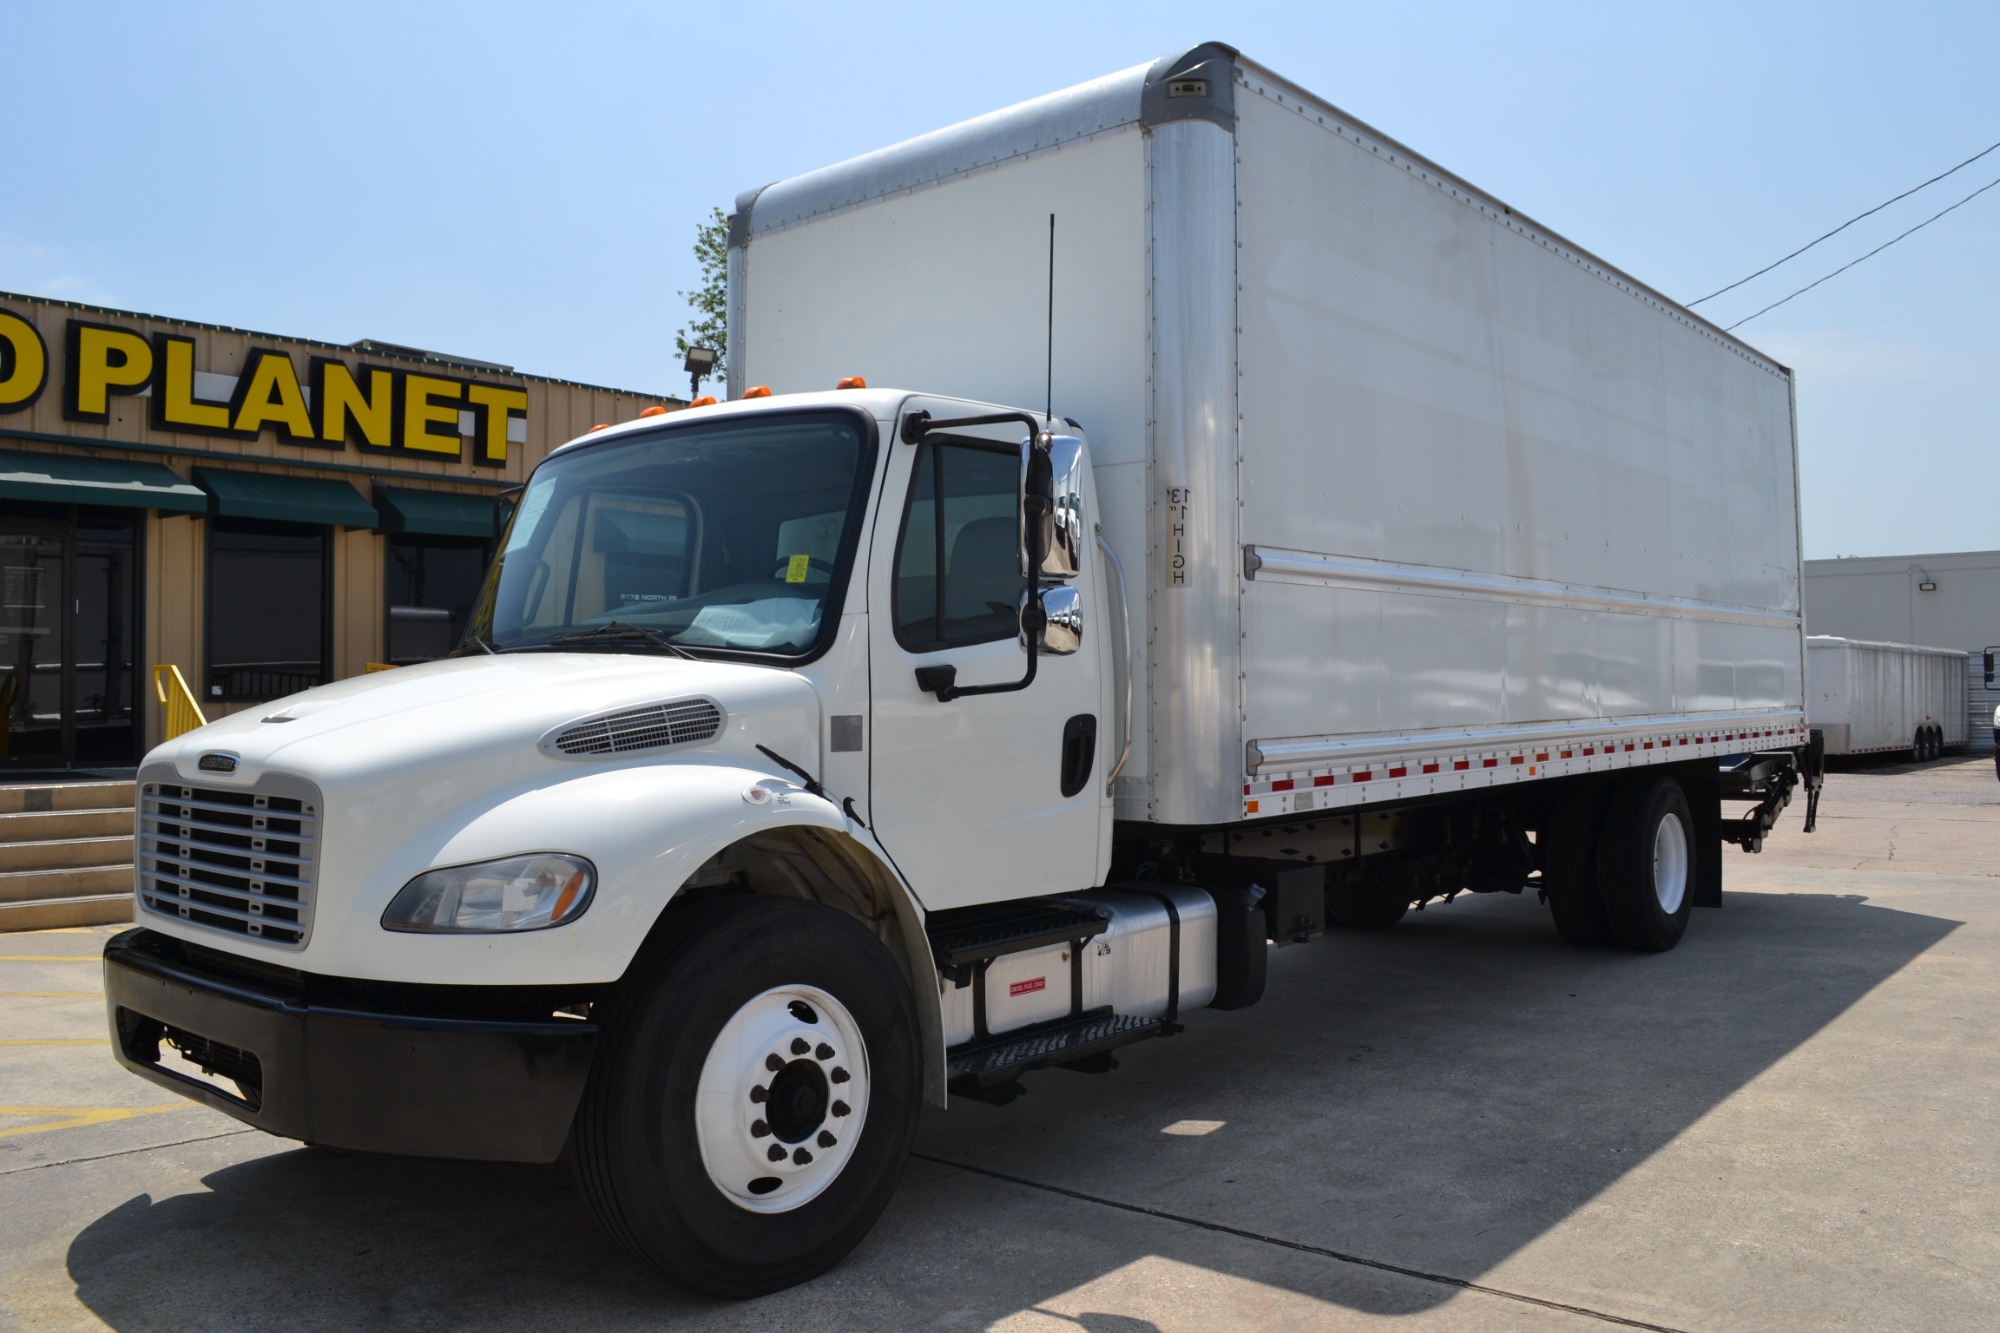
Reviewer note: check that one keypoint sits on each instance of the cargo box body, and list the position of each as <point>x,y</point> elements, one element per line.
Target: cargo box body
<point>1872,698</point>
<point>1413,495</point>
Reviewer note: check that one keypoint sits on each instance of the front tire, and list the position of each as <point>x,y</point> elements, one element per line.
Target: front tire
<point>754,1097</point>
<point>1646,864</point>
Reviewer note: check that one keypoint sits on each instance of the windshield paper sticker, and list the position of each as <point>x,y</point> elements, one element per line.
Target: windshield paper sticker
<point>795,569</point>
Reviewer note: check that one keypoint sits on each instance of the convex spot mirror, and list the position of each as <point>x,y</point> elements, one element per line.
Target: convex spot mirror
<point>1054,619</point>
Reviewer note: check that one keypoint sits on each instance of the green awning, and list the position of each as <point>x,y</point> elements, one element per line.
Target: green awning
<point>288,499</point>
<point>69,479</point>
<point>435,513</point>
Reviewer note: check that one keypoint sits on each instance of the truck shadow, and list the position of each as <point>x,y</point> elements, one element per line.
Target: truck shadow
<point>1433,1098</point>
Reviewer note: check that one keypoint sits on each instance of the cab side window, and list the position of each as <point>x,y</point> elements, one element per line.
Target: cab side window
<point>958,561</point>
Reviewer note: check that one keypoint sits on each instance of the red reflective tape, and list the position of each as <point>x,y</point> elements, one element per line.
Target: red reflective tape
<point>1282,784</point>
<point>1565,754</point>
<point>1518,759</point>
<point>1490,763</point>
<point>1628,747</point>
<point>1649,745</point>
<point>1590,749</point>
<point>1400,772</point>
<point>1323,780</point>
<point>1246,789</point>
<point>1430,768</point>
<point>1541,758</point>
<point>1364,777</point>
<point>1459,765</point>
<point>1684,740</point>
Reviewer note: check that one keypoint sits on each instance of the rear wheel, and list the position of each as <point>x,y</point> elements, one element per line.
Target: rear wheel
<point>1569,868</point>
<point>1646,864</point>
<point>754,1097</point>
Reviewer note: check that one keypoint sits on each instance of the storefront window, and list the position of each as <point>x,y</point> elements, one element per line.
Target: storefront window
<point>267,608</point>
<point>432,582</point>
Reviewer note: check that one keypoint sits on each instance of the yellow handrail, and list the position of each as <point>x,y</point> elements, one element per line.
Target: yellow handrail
<point>183,713</point>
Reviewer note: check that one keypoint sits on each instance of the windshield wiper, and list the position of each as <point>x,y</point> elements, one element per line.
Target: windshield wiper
<point>618,629</point>
<point>484,646</point>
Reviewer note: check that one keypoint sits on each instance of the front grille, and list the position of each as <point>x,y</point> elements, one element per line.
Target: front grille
<point>239,861</point>
<point>650,728</point>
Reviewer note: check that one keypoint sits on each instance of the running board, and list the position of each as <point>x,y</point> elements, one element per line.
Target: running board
<point>987,1070</point>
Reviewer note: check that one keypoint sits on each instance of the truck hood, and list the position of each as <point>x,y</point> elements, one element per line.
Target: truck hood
<point>476,722</point>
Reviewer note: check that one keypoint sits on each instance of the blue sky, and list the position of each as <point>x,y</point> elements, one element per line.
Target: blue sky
<point>520,183</point>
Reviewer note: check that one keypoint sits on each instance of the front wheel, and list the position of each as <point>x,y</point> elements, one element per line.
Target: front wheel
<point>755,1096</point>
<point>1646,864</point>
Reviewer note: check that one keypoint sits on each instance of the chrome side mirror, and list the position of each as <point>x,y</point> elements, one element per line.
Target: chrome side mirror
<point>1056,623</point>
<point>1063,539</point>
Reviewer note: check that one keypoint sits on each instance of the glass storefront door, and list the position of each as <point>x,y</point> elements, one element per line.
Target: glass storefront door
<point>69,691</point>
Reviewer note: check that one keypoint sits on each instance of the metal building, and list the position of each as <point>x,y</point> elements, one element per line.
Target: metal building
<point>1943,600</point>
<point>262,513</point>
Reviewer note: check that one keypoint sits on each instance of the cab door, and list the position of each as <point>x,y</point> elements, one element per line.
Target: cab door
<point>988,796</point>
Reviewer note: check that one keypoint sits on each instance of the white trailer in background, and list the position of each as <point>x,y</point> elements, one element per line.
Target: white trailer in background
<point>839,746</point>
<point>1867,697</point>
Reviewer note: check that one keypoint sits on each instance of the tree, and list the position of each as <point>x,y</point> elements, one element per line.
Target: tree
<point>710,301</point>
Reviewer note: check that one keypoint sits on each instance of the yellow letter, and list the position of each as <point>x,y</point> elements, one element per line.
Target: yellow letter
<point>174,405</point>
<point>24,363</point>
<point>420,413</point>
<point>267,374</point>
<point>496,406</point>
<point>344,410</point>
<point>102,361</point>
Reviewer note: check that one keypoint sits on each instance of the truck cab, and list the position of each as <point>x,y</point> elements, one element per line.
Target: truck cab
<point>422,889</point>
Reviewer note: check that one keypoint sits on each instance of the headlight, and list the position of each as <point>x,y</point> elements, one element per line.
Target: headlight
<point>519,893</point>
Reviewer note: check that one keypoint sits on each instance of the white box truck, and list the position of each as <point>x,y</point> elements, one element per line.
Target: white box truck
<point>1866,697</point>
<point>825,751</point>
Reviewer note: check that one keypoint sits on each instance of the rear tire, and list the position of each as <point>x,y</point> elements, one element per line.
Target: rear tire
<point>672,1139</point>
<point>1646,864</point>
<point>1569,868</point>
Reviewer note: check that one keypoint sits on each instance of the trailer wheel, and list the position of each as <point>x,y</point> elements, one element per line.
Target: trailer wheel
<point>754,1096</point>
<point>1569,868</point>
<point>1646,864</point>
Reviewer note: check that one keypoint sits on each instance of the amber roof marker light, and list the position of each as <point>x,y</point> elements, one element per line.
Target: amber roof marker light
<point>758,391</point>
<point>656,410</point>
<point>851,382</point>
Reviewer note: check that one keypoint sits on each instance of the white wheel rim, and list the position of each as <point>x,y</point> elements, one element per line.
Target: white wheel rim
<point>802,1043</point>
<point>1670,863</point>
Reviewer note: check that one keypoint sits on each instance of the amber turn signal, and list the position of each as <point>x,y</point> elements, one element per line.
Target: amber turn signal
<point>851,382</point>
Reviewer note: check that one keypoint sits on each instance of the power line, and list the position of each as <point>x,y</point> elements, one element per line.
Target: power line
<point>1843,227</point>
<point>1871,254</point>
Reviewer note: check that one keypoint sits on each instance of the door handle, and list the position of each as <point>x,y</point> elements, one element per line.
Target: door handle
<point>1079,748</point>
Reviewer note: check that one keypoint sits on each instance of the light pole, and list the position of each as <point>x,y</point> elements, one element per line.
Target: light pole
<point>700,364</point>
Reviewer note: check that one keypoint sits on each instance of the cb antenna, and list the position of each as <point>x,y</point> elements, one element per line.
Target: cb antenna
<point>1049,408</point>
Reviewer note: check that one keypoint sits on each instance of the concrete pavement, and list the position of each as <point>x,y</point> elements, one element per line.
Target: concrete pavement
<point>1787,1122</point>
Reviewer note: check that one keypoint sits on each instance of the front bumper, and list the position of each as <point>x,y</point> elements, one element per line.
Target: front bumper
<point>373,1069</point>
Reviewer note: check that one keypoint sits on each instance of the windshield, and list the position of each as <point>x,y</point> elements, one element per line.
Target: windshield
<point>731,536</point>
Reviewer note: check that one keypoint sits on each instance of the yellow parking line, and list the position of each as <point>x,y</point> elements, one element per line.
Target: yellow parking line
<point>55,1041</point>
<point>51,958</point>
<point>76,1117</point>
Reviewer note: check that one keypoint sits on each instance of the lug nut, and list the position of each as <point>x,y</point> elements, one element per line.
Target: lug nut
<point>823,1052</point>
<point>841,1108</point>
<point>801,1157</point>
<point>760,1094</point>
<point>758,1129</point>
<point>839,1074</point>
<point>776,1153</point>
<point>800,1046</point>
<point>773,1063</point>
<point>826,1140</point>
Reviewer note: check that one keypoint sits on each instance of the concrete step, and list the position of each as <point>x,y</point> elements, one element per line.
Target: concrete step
<point>19,886</point>
<point>52,825</point>
<point>28,797</point>
<point>62,852</point>
<point>46,913</point>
